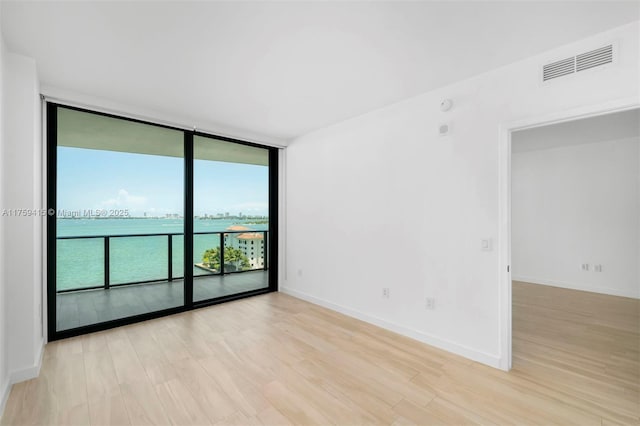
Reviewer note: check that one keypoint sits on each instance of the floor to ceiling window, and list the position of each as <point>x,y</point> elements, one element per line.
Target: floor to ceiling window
<point>231,218</point>
<point>146,220</point>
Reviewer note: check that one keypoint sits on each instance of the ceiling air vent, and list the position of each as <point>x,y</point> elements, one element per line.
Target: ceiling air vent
<point>582,62</point>
<point>559,68</point>
<point>595,58</point>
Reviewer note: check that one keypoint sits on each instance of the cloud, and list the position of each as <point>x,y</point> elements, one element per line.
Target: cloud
<point>124,200</point>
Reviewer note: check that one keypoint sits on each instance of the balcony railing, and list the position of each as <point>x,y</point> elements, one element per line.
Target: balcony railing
<point>242,239</point>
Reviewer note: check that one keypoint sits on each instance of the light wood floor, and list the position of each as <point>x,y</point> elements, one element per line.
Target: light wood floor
<point>276,360</point>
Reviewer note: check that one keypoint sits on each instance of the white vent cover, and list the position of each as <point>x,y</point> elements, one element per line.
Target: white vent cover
<point>581,62</point>
<point>595,58</point>
<point>559,68</point>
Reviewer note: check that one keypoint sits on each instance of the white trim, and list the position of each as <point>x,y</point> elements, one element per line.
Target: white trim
<point>504,182</point>
<point>30,372</point>
<point>20,376</point>
<point>74,99</point>
<point>577,286</point>
<point>504,244</point>
<point>447,345</point>
<point>610,107</point>
<point>282,217</point>
<point>5,389</point>
<point>44,296</point>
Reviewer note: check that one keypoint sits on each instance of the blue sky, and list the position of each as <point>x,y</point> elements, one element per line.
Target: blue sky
<point>94,179</point>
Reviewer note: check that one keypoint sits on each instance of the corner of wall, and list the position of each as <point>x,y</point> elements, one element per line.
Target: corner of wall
<point>32,371</point>
<point>39,203</point>
<point>5,388</point>
<point>4,376</point>
<point>23,341</point>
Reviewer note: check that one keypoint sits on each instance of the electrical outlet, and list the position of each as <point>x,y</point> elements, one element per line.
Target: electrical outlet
<point>385,293</point>
<point>430,303</point>
<point>584,267</point>
<point>597,268</point>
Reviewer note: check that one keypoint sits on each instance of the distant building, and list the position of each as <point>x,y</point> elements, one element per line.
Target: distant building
<point>251,244</point>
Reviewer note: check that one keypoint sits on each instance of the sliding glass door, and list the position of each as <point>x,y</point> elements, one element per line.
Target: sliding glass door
<point>146,220</point>
<point>231,218</point>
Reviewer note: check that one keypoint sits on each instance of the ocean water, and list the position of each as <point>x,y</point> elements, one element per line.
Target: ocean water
<point>80,262</point>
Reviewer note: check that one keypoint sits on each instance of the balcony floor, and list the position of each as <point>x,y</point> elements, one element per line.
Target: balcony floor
<point>77,309</point>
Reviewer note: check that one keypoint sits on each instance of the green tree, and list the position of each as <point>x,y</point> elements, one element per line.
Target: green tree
<point>233,256</point>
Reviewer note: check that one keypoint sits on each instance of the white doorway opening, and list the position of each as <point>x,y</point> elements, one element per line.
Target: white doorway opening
<point>610,111</point>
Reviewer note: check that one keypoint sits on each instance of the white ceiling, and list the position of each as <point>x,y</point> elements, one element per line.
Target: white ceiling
<point>609,127</point>
<point>281,69</point>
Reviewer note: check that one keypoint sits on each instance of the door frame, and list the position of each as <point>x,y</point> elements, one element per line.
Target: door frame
<point>505,158</point>
<point>50,109</point>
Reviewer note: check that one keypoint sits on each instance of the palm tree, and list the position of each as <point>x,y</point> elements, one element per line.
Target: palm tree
<point>211,258</point>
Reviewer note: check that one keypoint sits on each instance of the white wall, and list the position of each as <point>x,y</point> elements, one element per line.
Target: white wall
<point>4,374</point>
<point>21,246</point>
<point>22,186</point>
<point>574,205</point>
<point>383,201</point>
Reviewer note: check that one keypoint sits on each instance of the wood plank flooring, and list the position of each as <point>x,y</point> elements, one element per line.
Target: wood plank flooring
<point>277,360</point>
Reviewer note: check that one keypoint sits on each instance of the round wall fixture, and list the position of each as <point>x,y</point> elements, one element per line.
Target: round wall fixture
<point>446,105</point>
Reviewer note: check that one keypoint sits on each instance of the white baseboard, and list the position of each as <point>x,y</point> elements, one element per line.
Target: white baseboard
<point>5,388</point>
<point>574,286</point>
<point>30,372</point>
<point>20,376</point>
<point>447,345</point>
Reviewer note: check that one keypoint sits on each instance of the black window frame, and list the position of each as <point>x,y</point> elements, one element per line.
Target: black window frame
<point>51,187</point>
